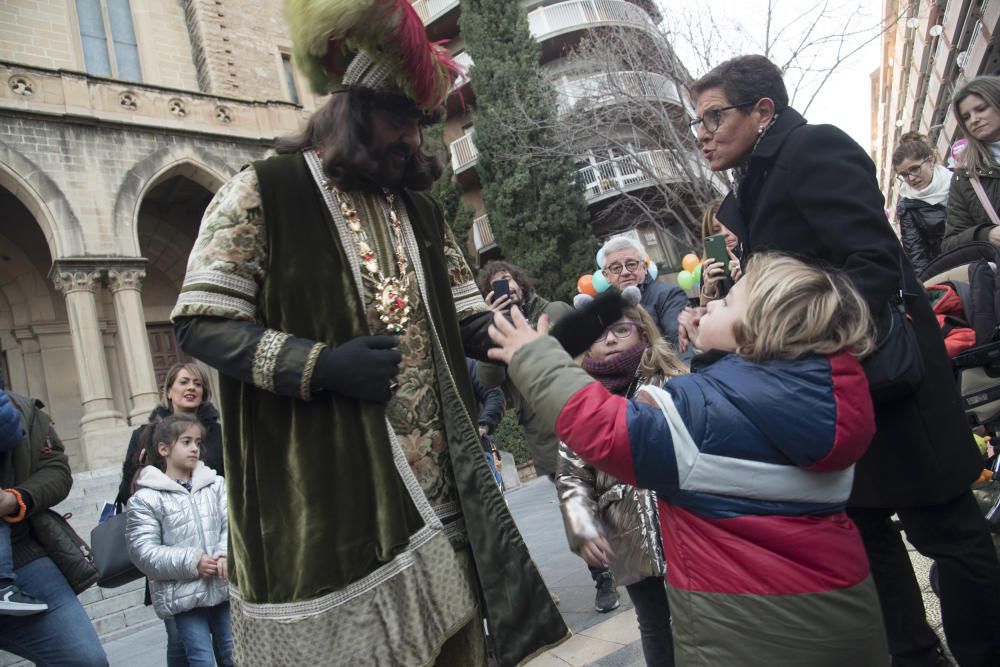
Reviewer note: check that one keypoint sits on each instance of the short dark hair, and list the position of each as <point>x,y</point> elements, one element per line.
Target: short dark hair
<point>746,79</point>
<point>342,132</point>
<point>498,266</point>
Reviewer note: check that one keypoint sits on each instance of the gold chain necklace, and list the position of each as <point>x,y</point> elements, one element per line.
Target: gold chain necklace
<point>391,300</point>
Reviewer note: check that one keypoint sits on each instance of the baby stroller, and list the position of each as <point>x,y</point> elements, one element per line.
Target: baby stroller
<point>972,274</point>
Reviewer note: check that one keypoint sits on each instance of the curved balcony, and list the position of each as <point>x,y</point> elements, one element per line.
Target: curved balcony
<point>603,89</point>
<point>574,15</point>
<point>482,233</point>
<point>464,61</point>
<point>618,175</point>
<point>439,16</point>
<point>464,154</point>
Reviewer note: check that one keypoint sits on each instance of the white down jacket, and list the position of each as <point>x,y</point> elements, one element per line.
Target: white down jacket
<point>169,529</point>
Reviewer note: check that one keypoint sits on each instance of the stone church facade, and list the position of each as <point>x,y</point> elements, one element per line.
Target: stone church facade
<point>118,122</point>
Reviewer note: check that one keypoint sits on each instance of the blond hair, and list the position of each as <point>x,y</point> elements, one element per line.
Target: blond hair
<point>794,309</point>
<point>659,361</point>
<point>708,218</point>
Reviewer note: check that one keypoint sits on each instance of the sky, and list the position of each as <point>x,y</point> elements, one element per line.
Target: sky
<point>845,99</point>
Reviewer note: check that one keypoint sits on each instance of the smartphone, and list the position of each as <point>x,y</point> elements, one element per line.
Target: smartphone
<point>715,249</point>
<point>500,288</point>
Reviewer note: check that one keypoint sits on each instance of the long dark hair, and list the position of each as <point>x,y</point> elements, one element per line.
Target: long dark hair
<point>166,430</point>
<point>341,130</point>
<point>977,155</point>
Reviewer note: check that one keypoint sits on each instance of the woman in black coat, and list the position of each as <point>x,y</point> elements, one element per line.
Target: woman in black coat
<point>810,191</point>
<point>923,199</point>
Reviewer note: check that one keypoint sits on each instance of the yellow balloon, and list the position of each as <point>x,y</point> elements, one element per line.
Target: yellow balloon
<point>690,261</point>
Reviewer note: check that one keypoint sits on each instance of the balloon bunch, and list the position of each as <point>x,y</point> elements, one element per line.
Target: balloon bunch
<point>690,277</point>
<point>594,283</point>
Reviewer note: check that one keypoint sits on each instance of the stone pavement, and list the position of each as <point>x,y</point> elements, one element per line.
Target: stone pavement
<point>600,640</point>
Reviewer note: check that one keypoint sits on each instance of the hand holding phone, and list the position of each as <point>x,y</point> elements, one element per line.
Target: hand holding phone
<point>715,248</point>
<point>500,288</point>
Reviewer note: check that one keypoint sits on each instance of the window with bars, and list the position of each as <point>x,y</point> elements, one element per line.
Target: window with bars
<point>117,57</point>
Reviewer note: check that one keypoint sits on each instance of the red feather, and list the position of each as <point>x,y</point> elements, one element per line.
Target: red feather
<point>429,68</point>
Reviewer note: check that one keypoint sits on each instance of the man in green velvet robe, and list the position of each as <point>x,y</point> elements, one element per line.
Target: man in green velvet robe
<point>324,285</point>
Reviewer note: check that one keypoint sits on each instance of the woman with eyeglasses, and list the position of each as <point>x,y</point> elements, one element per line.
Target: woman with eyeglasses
<point>970,218</point>
<point>923,199</point>
<point>612,525</point>
<point>810,191</point>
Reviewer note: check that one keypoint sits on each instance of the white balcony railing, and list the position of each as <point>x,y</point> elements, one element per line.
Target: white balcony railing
<point>463,154</point>
<point>629,172</point>
<point>464,61</point>
<point>431,10</point>
<point>602,89</point>
<point>482,233</point>
<point>547,22</point>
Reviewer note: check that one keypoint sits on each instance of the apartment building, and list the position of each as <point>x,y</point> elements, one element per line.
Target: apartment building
<point>611,171</point>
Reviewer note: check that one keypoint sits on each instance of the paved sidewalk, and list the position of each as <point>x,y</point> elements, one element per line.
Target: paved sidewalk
<point>600,640</point>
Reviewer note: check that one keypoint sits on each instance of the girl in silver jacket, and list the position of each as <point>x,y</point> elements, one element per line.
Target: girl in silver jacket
<point>177,532</point>
<point>607,521</point>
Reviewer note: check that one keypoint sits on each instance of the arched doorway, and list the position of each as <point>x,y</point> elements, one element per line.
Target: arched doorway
<point>168,221</point>
<point>36,347</point>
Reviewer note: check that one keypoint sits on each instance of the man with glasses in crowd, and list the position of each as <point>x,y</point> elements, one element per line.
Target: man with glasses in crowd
<point>624,265</point>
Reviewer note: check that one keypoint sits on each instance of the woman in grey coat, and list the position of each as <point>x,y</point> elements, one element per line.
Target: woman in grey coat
<point>610,523</point>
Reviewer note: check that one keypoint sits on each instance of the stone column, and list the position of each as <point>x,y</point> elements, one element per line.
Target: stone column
<point>99,414</point>
<point>126,290</point>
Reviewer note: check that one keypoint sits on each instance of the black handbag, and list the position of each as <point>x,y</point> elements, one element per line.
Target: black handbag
<point>107,541</point>
<point>896,368</point>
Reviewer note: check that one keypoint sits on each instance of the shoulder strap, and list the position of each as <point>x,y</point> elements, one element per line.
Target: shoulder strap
<point>983,199</point>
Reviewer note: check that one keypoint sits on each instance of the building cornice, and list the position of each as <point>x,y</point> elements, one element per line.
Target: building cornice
<point>73,97</point>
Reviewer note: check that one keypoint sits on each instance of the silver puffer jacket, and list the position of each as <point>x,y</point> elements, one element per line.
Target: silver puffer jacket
<point>594,503</point>
<point>170,529</point>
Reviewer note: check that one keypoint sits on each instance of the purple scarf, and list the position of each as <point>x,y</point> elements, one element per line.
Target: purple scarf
<point>617,373</point>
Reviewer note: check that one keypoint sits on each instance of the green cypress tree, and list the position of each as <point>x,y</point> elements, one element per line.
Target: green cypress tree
<point>448,192</point>
<point>537,210</point>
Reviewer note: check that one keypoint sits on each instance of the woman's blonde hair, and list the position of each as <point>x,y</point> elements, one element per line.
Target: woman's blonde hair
<point>175,370</point>
<point>794,309</point>
<point>977,154</point>
<point>659,361</point>
<point>708,218</point>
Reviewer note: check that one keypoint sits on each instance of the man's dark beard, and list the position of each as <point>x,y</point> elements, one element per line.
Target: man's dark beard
<point>388,175</point>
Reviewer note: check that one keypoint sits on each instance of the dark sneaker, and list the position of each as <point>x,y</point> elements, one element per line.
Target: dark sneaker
<point>607,594</point>
<point>13,602</point>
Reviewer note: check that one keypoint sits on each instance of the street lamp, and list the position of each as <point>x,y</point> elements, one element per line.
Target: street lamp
<point>914,22</point>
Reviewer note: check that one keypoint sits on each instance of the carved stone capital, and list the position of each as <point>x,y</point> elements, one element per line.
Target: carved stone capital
<point>126,278</point>
<point>68,282</point>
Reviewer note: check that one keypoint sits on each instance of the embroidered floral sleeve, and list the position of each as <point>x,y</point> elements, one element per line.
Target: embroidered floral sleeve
<point>216,313</point>
<point>468,300</point>
<point>225,269</point>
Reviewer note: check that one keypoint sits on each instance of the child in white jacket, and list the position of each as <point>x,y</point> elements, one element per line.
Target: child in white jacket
<point>177,533</point>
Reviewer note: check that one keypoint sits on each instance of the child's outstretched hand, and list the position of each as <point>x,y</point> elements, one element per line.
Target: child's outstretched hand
<point>512,336</point>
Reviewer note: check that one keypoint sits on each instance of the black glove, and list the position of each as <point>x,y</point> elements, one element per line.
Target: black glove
<point>363,367</point>
<point>578,330</point>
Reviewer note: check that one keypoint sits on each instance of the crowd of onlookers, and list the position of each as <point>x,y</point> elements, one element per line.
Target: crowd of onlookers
<point>729,443</point>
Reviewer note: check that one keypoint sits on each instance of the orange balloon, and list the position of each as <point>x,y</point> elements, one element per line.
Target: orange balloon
<point>585,285</point>
<point>690,261</point>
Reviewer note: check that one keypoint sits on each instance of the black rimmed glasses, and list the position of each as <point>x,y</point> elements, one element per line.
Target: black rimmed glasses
<point>713,117</point>
<point>621,330</point>
<point>913,171</point>
<point>632,265</point>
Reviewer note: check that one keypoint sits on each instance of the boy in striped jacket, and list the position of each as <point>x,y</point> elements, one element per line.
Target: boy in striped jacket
<point>752,459</point>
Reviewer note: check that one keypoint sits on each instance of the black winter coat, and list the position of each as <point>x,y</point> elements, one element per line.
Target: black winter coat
<point>968,220</point>
<point>921,227</point>
<point>211,447</point>
<point>810,191</point>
